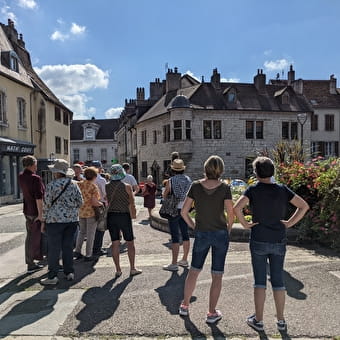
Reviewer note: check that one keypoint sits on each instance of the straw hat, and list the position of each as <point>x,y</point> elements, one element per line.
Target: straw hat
<point>177,165</point>
<point>61,166</point>
<point>117,172</point>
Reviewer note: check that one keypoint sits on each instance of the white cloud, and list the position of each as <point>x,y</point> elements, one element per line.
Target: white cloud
<point>114,112</point>
<point>31,4</point>
<point>76,29</point>
<point>192,75</point>
<point>276,65</point>
<point>70,83</point>
<point>57,35</point>
<point>7,14</point>
<point>230,80</point>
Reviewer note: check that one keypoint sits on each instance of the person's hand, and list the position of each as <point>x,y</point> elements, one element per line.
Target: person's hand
<point>249,225</point>
<point>193,226</point>
<point>43,227</point>
<point>38,218</point>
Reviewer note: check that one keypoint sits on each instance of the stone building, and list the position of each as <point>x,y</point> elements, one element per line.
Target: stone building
<point>324,99</point>
<point>232,120</point>
<point>94,139</point>
<point>32,119</point>
<point>134,110</point>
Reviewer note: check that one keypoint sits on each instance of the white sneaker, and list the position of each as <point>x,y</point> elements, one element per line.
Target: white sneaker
<point>70,277</point>
<point>171,267</point>
<point>47,281</point>
<point>183,263</point>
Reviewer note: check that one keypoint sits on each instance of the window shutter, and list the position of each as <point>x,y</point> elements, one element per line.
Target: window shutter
<point>336,148</point>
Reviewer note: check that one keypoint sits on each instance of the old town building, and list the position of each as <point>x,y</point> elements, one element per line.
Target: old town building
<point>32,119</point>
<point>232,120</point>
<point>94,139</point>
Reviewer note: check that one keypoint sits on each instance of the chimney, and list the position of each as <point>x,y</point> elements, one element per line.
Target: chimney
<point>298,86</point>
<point>173,80</point>
<point>332,85</point>
<point>291,75</point>
<point>216,79</point>
<point>156,89</point>
<point>11,32</point>
<point>140,93</point>
<point>260,81</point>
<point>21,41</point>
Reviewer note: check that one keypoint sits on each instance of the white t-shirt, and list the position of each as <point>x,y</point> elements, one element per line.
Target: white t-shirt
<point>101,182</point>
<point>129,179</point>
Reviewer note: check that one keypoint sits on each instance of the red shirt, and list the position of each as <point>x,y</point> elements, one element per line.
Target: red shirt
<point>33,189</point>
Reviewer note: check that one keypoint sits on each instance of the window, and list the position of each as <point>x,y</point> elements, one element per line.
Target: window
<point>57,114</point>
<point>166,133</point>
<point>293,130</point>
<point>231,96</point>
<point>103,154</point>
<point>144,169</point>
<point>65,146</point>
<point>188,129</point>
<point>329,122</point>
<point>155,137</point>
<point>289,130</point>
<point>285,98</point>
<point>314,122</point>
<point>217,129</point>
<point>177,129</point>
<point>326,149</point>
<point>254,129</point>
<point>76,156</point>
<point>144,137</point>
<point>207,129</point>
<point>249,129</point>
<point>285,130</point>
<point>89,154</point>
<point>89,133</point>
<point>65,118</point>
<point>21,113</point>
<point>3,118</point>
<point>166,165</point>
<point>14,63</point>
<point>57,144</point>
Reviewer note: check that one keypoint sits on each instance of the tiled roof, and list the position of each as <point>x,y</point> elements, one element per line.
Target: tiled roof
<point>106,131</point>
<point>205,96</point>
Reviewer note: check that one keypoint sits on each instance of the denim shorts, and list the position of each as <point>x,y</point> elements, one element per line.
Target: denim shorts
<point>117,222</point>
<point>218,241</point>
<point>177,224</point>
<point>272,253</point>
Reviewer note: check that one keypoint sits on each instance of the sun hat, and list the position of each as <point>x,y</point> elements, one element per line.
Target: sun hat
<point>117,172</point>
<point>61,166</point>
<point>178,165</point>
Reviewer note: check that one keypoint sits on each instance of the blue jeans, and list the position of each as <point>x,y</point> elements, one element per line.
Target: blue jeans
<point>218,241</point>
<point>274,253</point>
<point>60,238</point>
<point>177,224</point>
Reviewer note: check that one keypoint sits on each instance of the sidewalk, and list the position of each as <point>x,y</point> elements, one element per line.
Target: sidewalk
<point>10,208</point>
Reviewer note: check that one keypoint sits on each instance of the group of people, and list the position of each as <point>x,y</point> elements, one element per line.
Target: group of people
<point>64,211</point>
<point>214,217</point>
<point>56,208</point>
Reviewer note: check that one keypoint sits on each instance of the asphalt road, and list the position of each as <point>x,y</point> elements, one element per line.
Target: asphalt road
<point>95,305</point>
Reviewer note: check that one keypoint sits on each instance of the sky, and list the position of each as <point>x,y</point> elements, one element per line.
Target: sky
<point>93,54</point>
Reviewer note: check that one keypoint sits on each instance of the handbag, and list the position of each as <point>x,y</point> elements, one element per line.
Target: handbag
<point>100,215</point>
<point>169,208</point>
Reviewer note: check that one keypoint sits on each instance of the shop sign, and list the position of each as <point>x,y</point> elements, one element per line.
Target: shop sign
<point>18,149</point>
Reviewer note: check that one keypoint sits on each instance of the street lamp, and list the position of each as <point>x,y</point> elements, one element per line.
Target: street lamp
<point>302,118</point>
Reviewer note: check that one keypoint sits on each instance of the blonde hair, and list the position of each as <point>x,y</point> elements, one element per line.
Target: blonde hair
<point>213,167</point>
<point>150,178</point>
<point>90,173</point>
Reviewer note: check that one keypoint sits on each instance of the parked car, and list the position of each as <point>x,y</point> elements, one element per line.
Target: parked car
<point>238,183</point>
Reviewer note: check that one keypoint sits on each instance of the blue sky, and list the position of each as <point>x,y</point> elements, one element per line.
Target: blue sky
<point>93,54</point>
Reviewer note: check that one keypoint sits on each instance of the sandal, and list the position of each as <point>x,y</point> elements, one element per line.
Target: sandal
<point>118,274</point>
<point>134,272</point>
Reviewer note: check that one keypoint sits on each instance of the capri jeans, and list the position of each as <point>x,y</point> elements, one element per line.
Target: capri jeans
<point>177,224</point>
<point>274,253</point>
<point>218,241</point>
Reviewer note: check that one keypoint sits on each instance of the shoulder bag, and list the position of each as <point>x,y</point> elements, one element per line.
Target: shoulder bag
<point>169,208</point>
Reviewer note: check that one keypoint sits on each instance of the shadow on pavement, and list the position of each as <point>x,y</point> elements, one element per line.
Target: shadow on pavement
<point>100,304</point>
<point>216,333</point>
<point>171,294</point>
<point>294,287</point>
<point>40,304</point>
<point>195,333</point>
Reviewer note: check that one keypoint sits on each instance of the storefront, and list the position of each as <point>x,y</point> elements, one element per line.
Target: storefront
<point>11,153</point>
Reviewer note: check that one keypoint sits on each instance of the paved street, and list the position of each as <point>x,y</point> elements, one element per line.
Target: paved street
<point>95,305</point>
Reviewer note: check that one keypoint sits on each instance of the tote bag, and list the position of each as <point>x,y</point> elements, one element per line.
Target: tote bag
<point>169,207</point>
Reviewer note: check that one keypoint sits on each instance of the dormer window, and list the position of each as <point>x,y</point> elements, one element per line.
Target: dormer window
<point>231,96</point>
<point>14,63</point>
<point>89,133</point>
<point>285,98</point>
